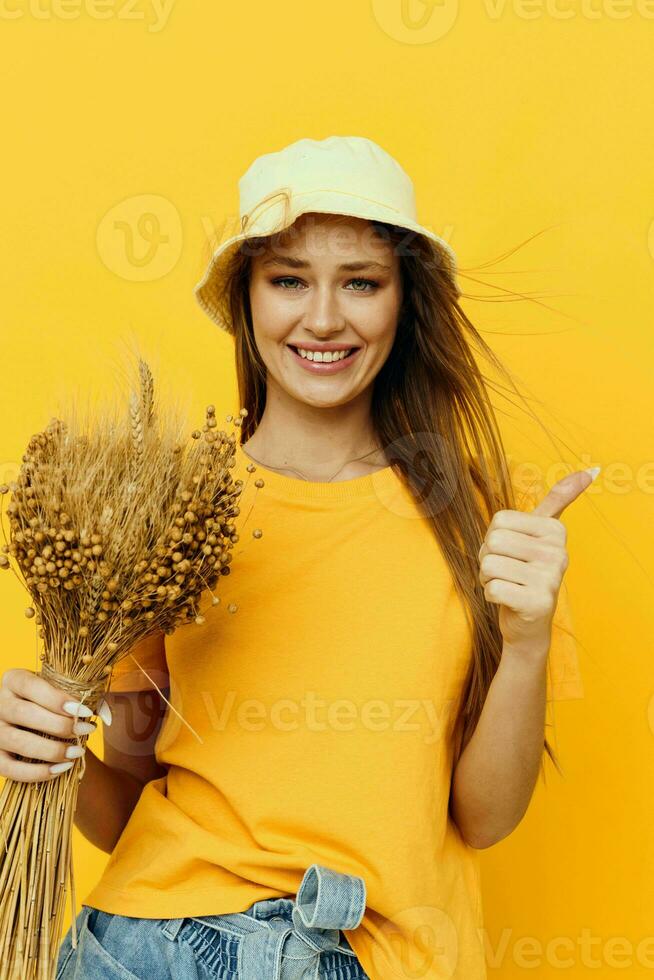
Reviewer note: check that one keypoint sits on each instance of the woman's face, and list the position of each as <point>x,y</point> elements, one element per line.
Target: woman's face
<point>329,282</point>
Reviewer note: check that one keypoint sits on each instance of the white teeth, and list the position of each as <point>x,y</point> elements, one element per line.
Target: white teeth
<point>326,357</point>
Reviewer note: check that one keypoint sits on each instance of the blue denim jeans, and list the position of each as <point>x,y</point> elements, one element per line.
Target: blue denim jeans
<point>274,939</point>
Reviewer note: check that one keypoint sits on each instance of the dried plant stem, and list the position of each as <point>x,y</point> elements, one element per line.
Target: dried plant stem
<point>171,706</point>
<point>37,826</point>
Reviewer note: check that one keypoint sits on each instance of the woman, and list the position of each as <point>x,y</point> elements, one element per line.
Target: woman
<point>316,815</point>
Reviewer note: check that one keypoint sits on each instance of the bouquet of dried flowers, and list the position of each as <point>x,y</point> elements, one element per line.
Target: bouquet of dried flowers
<point>117,528</point>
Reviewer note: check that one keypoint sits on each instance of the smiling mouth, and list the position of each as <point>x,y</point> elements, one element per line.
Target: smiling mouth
<point>316,357</point>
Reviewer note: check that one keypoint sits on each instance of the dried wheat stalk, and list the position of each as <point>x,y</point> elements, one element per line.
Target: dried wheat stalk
<point>118,525</point>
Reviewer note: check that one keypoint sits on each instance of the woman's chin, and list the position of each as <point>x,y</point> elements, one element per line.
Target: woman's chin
<point>322,400</point>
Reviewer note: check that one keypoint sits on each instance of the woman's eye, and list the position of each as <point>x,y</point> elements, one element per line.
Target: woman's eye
<point>293,279</point>
<point>278,282</point>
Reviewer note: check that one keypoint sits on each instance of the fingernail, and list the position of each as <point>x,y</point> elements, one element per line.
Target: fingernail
<point>593,471</point>
<point>84,727</point>
<point>104,712</point>
<point>75,751</point>
<point>77,708</point>
<point>60,766</point>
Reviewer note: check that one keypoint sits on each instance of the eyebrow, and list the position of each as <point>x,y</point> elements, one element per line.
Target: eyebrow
<point>345,267</point>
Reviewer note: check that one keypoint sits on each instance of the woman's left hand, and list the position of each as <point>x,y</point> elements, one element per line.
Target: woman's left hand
<point>522,562</point>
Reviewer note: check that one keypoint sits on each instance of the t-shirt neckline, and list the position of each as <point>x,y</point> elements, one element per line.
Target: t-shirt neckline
<point>369,484</point>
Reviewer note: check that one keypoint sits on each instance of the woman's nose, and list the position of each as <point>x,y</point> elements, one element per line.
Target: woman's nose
<point>323,310</point>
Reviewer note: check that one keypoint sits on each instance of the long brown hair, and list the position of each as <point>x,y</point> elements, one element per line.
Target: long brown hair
<point>431,407</point>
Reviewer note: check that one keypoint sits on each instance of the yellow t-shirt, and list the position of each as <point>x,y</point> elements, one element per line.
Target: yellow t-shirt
<point>325,706</point>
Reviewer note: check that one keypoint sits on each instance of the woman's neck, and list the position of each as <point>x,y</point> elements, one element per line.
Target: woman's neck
<point>316,444</point>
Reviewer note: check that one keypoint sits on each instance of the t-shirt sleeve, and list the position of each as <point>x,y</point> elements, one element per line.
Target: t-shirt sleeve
<point>564,681</point>
<point>151,655</point>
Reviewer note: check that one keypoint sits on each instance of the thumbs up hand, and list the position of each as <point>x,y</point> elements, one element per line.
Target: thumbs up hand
<point>522,562</point>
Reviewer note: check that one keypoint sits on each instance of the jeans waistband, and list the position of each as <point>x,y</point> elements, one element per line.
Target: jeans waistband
<point>273,947</point>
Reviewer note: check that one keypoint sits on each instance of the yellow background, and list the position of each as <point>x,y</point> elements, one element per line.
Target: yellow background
<point>125,132</point>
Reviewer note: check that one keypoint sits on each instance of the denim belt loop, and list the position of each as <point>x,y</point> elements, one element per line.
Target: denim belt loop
<point>327,901</point>
<point>172,927</point>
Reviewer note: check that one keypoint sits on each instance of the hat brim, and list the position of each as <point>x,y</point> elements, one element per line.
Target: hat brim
<point>209,290</point>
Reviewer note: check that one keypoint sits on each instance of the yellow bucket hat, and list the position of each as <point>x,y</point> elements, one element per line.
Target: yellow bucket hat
<point>348,175</point>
